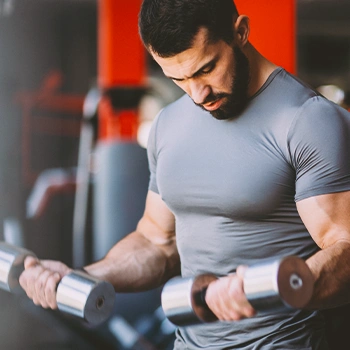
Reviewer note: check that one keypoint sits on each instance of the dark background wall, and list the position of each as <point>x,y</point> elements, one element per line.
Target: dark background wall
<point>323,28</point>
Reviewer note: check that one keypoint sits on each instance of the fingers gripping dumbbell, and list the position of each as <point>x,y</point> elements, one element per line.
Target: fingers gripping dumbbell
<point>77,293</point>
<point>270,286</point>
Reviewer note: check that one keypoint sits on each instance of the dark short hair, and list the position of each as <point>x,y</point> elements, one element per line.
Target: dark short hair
<point>168,27</point>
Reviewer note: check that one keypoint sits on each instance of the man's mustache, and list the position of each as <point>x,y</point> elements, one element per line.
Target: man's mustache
<point>212,98</point>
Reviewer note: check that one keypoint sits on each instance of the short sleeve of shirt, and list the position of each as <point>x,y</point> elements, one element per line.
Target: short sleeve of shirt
<point>319,148</point>
<point>152,155</point>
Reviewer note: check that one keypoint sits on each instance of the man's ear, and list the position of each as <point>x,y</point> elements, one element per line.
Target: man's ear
<point>242,30</point>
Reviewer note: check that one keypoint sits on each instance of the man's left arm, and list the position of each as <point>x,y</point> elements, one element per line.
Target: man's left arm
<point>327,218</point>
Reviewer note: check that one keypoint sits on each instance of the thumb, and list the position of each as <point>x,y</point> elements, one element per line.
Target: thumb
<point>30,261</point>
<point>241,271</point>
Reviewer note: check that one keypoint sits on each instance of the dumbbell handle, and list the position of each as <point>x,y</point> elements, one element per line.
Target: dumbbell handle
<point>270,286</point>
<point>77,293</point>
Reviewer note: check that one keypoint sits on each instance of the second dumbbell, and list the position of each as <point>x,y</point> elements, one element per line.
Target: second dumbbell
<point>269,287</point>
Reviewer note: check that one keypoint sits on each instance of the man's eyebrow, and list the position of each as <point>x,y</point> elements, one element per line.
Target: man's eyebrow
<point>206,65</point>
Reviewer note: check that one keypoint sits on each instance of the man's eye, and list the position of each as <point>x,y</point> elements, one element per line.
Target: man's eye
<point>207,70</point>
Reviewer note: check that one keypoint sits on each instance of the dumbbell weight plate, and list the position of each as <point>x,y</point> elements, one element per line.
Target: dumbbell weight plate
<point>11,266</point>
<point>279,284</point>
<point>183,300</point>
<point>84,296</point>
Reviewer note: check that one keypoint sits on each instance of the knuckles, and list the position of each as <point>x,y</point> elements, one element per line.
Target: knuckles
<point>40,285</point>
<point>226,299</point>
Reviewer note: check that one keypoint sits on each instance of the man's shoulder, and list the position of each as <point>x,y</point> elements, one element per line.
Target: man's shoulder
<point>287,94</point>
<point>319,107</point>
<point>293,89</point>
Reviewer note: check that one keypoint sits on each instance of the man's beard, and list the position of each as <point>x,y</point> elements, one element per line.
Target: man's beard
<point>236,101</point>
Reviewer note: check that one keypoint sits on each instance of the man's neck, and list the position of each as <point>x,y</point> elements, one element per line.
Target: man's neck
<point>260,69</point>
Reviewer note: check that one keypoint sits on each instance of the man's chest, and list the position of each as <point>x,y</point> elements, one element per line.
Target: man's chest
<point>226,173</point>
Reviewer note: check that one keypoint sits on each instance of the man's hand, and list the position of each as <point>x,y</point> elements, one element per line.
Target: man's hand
<point>40,279</point>
<point>226,299</point>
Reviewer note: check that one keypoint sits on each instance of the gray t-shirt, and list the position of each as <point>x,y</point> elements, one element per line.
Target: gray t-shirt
<point>232,186</point>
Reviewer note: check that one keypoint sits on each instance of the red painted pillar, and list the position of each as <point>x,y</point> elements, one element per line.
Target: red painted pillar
<point>121,65</point>
<point>273,29</point>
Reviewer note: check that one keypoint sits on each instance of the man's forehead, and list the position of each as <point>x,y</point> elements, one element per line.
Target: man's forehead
<point>189,61</point>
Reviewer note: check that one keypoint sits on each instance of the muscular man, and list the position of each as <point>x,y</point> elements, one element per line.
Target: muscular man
<point>248,165</point>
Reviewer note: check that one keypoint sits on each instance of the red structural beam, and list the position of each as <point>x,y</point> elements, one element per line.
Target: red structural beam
<point>273,29</point>
<point>121,56</point>
<point>121,63</point>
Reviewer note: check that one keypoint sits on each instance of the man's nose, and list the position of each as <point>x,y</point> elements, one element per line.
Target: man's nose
<point>198,91</point>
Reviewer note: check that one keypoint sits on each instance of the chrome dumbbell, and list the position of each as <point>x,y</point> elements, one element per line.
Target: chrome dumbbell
<point>269,287</point>
<point>77,293</point>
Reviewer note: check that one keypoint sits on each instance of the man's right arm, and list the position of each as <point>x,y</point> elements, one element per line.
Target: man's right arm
<point>144,259</point>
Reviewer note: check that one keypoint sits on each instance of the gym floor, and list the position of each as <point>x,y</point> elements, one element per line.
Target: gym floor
<point>26,326</point>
